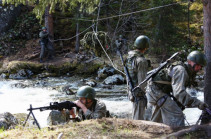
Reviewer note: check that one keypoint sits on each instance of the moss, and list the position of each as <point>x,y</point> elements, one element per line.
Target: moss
<point>87,69</point>
<point>14,66</point>
<point>51,69</point>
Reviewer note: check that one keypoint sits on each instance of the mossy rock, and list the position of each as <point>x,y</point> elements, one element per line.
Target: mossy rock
<point>52,69</point>
<point>14,66</point>
<point>87,69</point>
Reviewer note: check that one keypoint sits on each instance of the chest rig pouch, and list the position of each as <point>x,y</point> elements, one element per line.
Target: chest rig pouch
<point>132,70</point>
<point>163,81</point>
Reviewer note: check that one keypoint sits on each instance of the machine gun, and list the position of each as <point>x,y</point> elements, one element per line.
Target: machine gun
<point>53,106</point>
<point>153,72</point>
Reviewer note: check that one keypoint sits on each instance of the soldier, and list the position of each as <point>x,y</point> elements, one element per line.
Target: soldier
<point>166,91</point>
<point>90,108</point>
<point>137,67</point>
<point>120,43</point>
<point>44,43</point>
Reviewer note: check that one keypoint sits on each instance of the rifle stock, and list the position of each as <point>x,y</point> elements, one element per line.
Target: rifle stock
<point>127,74</point>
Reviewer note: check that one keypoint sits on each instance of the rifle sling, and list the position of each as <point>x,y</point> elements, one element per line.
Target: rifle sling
<point>163,82</point>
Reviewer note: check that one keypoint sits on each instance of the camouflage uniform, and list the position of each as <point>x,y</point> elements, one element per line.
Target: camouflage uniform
<point>97,111</point>
<point>137,67</point>
<point>175,78</point>
<point>43,42</point>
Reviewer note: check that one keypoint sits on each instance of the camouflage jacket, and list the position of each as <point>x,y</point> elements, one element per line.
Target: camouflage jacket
<point>43,37</point>
<point>137,67</point>
<point>97,111</point>
<point>180,77</point>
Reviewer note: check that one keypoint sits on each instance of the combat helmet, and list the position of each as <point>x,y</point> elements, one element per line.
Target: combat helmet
<point>197,57</point>
<point>141,42</point>
<point>44,28</point>
<point>87,92</point>
<point>120,36</point>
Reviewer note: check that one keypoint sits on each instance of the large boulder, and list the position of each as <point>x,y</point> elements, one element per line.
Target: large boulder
<point>21,74</point>
<point>7,121</point>
<point>116,79</point>
<point>105,72</point>
<point>56,117</point>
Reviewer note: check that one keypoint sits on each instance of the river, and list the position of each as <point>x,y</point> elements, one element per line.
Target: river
<point>17,95</point>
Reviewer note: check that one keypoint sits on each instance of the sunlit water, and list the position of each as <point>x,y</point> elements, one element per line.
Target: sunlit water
<point>18,100</point>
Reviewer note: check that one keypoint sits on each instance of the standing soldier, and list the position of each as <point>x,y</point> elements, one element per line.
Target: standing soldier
<point>137,67</point>
<point>45,45</point>
<point>43,42</point>
<point>121,44</point>
<point>166,91</point>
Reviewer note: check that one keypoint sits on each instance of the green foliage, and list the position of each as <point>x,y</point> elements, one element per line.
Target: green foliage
<point>166,27</point>
<point>90,42</point>
<point>165,21</point>
<point>2,130</point>
<point>40,6</point>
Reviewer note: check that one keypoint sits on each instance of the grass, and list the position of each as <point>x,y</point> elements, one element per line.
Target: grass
<point>111,128</point>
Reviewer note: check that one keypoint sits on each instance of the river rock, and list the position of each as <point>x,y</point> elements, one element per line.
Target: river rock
<point>67,90</point>
<point>19,85</point>
<point>7,121</point>
<point>105,72</point>
<point>3,76</point>
<point>21,74</point>
<point>57,117</point>
<point>91,83</point>
<point>115,79</point>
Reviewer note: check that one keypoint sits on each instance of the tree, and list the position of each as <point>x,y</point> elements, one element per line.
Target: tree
<point>207,49</point>
<point>47,8</point>
<point>165,24</point>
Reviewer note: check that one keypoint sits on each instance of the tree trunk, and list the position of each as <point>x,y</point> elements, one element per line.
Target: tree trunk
<point>207,48</point>
<point>77,39</point>
<point>49,21</point>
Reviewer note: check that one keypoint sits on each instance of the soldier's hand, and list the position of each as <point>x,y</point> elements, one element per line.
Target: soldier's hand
<point>79,104</point>
<point>202,106</point>
<point>138,91</point>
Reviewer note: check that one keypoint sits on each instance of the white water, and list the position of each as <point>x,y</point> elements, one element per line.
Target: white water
<point>18,100</point>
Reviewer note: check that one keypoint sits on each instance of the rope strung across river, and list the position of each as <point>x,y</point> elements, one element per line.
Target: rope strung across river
<point>126,14</point>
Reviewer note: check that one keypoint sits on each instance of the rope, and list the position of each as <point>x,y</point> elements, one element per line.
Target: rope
<point>149,9</point>
<point>73,36</point>
<point>106,52</point>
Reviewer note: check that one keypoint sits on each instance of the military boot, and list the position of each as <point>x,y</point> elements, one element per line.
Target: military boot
<point>41,60</point>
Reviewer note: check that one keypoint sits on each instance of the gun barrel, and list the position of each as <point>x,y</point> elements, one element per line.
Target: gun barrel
<point>39,108</point>
<point>56,106</point>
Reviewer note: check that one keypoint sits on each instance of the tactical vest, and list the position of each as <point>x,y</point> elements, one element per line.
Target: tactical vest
<point>131,69</point>
<point>163,80</point>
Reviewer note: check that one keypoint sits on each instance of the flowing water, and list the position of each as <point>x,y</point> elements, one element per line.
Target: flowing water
<point>16,99</point>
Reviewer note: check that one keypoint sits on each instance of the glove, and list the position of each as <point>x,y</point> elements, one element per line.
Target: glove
<point>202,106</point>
